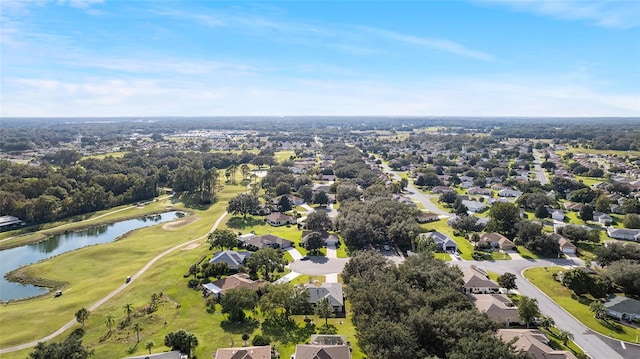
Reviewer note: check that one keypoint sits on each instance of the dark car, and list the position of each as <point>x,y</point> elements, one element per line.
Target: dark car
<point>128,279</point>
<point>305,258</point>
<point>58,293</point>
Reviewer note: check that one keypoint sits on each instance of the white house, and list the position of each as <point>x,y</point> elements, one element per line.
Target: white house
<point>508,192</point>
<point>623,308</point>
<point>474,206</point>
<point>624,233</point>
<point>557,214</point>
<point>443,241</point>
<point>602,217</point>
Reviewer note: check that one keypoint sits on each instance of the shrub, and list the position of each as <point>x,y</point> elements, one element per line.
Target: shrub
<point>260,340</point>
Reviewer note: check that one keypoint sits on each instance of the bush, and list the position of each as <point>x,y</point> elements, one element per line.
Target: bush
<point>477,255</point>
<point>260,340</point>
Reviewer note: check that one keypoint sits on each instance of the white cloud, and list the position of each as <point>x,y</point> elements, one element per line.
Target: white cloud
<point>499,96</point>
<point>610,13</point>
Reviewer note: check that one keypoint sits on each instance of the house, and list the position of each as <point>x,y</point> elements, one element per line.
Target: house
<point>442,241</point>
<point>262,352</point>
<point>476,281</point>
<point>233,259</point>
<point>294,200</point>
<point>474,206</point>
<point>534,343</point>
<point>564,244</point>
<point>508,192</point>
<point>442,189</point>
<point>573,206</point>
<point>624,233</point>
<point>480,191</point>
<point>496,240</point>
<point>7,222</point>
<point>240,280</point>
<point>332,291</point>
<point>279,219</point>
<point>324,347</point>
<point>329,239</point>
<point>264,241</point>
<point>498,307</point>
<point>602,218</point>
<point>557,214</point>
<point>623,308</point>
<point>425,217</point>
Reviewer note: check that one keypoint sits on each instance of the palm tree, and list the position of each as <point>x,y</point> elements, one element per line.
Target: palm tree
<point>564,335</point>
<point>598,309</point>
<point>109,319</point>
<point>546,322</point>
<point>128,308</point>
<point>148,345</point>
<point>137,328</point>
<point>82,315</point>
<point>244,169</point>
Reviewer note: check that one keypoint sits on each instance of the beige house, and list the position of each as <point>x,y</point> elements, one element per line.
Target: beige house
<point>497,306</point>
<point>566,246</point>
<point>477,282</point>
<point>496,241</point>
<point>534,343</point>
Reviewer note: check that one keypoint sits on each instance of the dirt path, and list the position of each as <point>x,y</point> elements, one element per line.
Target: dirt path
<point>112,294</point>
<point>86,220</point>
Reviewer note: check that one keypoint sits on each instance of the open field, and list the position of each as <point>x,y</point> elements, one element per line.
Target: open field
<point>542,278</point>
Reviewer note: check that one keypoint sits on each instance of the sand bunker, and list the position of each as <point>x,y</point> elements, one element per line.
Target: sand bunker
<point>190,246</point>
<point>180,223</point>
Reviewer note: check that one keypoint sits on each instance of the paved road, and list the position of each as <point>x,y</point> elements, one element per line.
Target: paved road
<point>416,194</point>
<point>596,345</point>
<point>112,294</point>
<point>541,176</point>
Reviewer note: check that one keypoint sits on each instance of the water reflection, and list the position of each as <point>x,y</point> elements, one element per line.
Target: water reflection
<point>13,258</point>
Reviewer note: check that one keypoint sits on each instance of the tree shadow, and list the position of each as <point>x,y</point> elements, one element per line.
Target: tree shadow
<point>611,325</point>
<point>249,325</point>
<point>194,202</point>
<point>242,223</point>
<point>287,331</point>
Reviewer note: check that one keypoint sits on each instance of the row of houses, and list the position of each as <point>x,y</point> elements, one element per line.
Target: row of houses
<point>319,347</point>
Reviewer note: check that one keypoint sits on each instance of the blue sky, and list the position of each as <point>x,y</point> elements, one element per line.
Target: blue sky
<point>415,58</point>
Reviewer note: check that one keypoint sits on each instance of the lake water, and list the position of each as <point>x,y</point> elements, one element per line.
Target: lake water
<point>13,258</point>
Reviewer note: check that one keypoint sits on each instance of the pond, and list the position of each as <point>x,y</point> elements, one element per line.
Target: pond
<point>14,258</point>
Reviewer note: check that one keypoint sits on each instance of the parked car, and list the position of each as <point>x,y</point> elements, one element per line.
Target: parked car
<point>305,258</point>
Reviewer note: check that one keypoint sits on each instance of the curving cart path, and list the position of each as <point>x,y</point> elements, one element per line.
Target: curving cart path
<point>112,294</point>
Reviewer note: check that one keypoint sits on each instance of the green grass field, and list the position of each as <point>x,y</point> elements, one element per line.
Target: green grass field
<point>542,278</point>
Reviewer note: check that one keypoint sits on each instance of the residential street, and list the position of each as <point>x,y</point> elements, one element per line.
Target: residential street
<point>539,172</point>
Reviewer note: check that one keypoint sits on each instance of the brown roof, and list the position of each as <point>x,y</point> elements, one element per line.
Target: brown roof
<point>496,237</point>
<point>240,280</point>
<point>562,241</point>
<point>534,343</point>
<point>497,306</point>
<point>476,278</point>
<point>313,351</point>
<point>263,352</point>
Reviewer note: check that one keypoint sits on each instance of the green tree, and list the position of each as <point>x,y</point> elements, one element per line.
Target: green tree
<point>542,212</point>
<point>565,336</point>
<point>284,204</point>
<point>81,316</point>
<point>70,348</point>
<point>283,188</point>
<point>128,308</point>
<point>324,309</point>
<point>603,204</point>
<point>245,337</point>
<point>631,220</point>
<point>148,345</point>
<point>137,328</point>
<point>586,213</point>
<point>598,309</point>
<point>508,281</point>
<point>528,309</point>
<point>109,319</point>
<point>314,242</point>
<point>223,238</point>
<point>318,221</point>
<point>284,298</point>
<point>547,322</point>
<point>243,204</point>
<point>578,281</point>
<point>321,198</point>
<point>236,301</point>
<point>266,260</point>
<point>182,341</point>
<point>625,274</point>
<point>503,218</point>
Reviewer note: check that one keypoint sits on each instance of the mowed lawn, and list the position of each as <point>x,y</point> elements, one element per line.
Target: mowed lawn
<point>542,278</point>
<point>93,272</point>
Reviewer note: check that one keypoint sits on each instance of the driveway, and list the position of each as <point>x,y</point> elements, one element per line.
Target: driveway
<point>294,253</point>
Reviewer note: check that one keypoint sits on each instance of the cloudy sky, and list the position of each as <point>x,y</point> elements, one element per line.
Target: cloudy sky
<point>416,58</point>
